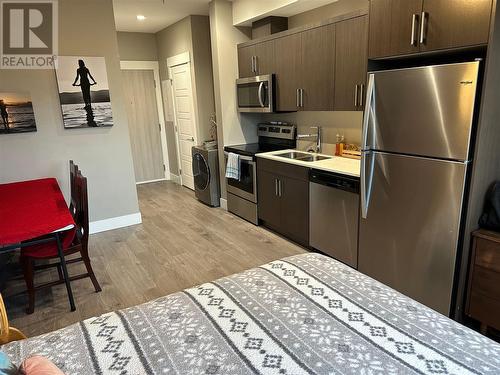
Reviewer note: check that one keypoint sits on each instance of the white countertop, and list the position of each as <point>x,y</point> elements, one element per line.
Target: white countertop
<point>336,164</point>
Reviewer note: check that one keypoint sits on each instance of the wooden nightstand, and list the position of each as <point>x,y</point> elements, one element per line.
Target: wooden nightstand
<point>483,297</point>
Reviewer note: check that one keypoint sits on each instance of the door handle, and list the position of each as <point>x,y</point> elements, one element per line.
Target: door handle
<point>261,97</point>
<point>414,21</point>
<point>423,28</point>
<point>366,182</point>
<point>368,109</point>
<point>356,96</point>
<point>361,94</point>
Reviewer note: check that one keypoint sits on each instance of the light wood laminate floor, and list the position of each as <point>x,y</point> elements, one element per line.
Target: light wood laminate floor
<point>181,243</point>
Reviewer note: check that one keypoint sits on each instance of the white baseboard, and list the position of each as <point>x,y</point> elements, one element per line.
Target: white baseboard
<point>115,223</point>
<point>223,203</point>
<point>150,181</point>
<point>175,178</point>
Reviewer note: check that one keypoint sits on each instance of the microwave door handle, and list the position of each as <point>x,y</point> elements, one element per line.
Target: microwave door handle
<point>261,94</point>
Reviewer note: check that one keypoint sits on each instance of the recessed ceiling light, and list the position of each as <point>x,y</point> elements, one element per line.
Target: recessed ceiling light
<point>140,17</point>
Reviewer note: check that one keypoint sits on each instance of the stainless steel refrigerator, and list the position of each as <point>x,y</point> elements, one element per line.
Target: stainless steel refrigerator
<point>416,139</point>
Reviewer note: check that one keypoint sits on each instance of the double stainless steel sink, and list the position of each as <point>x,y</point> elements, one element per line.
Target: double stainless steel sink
<point>303,156</point>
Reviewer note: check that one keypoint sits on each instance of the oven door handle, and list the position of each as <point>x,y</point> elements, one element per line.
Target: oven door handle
<point>242,157</point>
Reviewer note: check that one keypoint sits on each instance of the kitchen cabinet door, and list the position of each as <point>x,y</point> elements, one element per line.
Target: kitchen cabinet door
<point>391,26</point>
<point>245,65</point>
<point>267,196</point>
<point>318,68</point>
<point>288,54</point>
<point>295,209</point>
<point>454,24</point>
<point>264,53</point>
<point>351,63</point>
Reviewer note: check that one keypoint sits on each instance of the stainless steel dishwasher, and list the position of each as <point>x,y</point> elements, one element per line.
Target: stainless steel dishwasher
<point>334,214</point>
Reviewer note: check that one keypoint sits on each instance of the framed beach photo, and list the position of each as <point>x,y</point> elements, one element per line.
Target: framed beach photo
<point>84,92</point>
<point>16,113</point>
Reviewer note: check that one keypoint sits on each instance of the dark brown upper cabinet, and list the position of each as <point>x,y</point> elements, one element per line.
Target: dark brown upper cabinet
<point>455,24</point>
<point>318,69</point>
<point>305,68</point>
<point>257,59</point>
<point>288,69</point>
<point>402,27</point>
<point>246,61</point>
<point>264,58</point>
<point>351,56</point>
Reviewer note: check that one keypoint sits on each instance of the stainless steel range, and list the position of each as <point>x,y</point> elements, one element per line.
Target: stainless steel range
<point>242,194</point>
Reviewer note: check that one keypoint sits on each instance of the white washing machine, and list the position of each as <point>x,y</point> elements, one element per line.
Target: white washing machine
<point>206,175</point>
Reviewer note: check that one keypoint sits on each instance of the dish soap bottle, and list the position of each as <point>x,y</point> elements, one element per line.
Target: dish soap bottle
<point>337,145</point>
<point>341,145</point>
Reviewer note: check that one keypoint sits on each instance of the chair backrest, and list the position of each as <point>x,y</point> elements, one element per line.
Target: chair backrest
<point>81,208</point>
<point>73,171</point>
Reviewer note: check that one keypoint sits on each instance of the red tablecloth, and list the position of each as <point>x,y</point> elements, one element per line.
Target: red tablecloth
<point>31,209</point>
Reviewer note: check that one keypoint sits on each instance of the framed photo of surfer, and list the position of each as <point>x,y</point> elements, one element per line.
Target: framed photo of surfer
<point>16,113</point>
<point>84,92</point>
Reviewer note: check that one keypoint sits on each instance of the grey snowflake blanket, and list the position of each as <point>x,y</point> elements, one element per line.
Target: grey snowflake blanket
<point>306,314</point>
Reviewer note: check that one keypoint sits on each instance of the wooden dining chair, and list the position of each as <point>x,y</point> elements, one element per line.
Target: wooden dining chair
<point>7,333</point>
<point>73,171</point>
<point>48,251</point>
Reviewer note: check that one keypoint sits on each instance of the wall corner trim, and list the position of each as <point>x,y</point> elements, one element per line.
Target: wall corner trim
<point>115,223</point>
<point>223,204</point>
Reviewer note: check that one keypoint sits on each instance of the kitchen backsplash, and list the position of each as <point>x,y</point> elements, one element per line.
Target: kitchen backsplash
<point>347,124</point>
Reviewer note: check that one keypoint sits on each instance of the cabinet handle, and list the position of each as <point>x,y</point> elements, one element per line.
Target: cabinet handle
<point>356,96</point>
<point>302,98</point>
<point>276,188</point>
<point>253,64</point>
<point>423,28</point>
<point>361,94</point>
<point>298,98</point>
<point>256,59</point>
<point>280,188</point>
<point>414,21</point>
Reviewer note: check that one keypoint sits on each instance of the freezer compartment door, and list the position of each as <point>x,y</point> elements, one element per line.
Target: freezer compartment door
<point>409,230</point>
<point>425,111</point>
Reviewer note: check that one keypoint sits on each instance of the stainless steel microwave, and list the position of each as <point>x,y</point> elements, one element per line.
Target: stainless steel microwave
<point>256,94</point>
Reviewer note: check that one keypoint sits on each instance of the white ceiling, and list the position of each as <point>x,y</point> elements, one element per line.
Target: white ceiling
<point>159,14</point>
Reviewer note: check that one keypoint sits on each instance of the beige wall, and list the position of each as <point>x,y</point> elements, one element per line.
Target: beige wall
<point>172,41</point>
<point>244,11</point>
<point>233,128</point>
<point>137,46</point>
<point>191,34</point>
<point>104,155</point>
<point>328,11</point>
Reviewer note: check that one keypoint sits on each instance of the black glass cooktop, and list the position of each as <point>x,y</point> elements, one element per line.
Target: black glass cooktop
<point>250,149</point>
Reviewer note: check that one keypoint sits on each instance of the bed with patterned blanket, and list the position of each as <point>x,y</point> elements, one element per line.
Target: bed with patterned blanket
<point>306,314</point>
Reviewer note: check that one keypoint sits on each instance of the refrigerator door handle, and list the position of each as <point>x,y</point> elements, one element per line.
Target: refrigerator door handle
<point>368,108</point>
<point>366,182</point>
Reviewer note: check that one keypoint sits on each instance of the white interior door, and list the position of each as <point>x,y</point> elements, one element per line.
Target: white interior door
<point>184,120</point>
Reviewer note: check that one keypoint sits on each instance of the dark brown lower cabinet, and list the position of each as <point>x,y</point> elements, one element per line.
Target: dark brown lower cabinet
<point>283,199</point>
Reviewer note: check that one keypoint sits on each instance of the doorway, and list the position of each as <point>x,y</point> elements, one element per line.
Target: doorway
<point>146,122</point>
<point>184,115</point>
